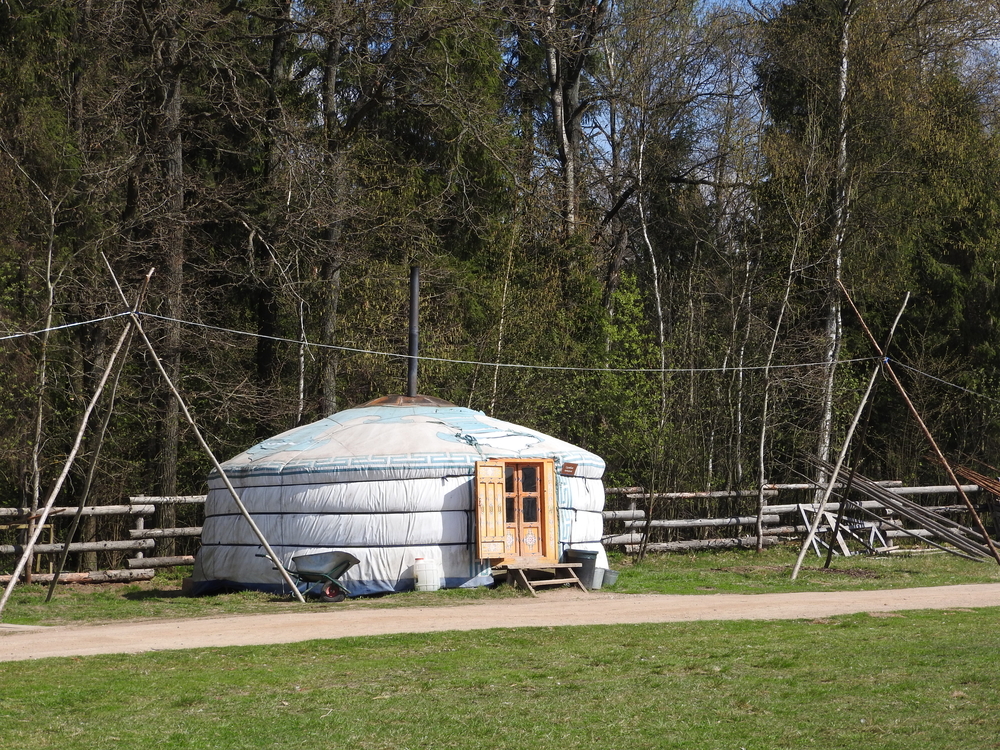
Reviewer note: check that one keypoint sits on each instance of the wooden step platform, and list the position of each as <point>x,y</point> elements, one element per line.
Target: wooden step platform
<point>533,575</point>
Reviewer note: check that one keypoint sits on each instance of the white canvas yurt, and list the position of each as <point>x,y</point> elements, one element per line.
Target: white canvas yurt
<point>397,480</point>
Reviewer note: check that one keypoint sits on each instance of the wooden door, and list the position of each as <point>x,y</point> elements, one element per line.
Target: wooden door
<point>523,510</point>
<point>490,528</point>
<point>516,513</point>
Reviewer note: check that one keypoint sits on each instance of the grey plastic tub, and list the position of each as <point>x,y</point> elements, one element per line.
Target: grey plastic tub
<point>587,573</point>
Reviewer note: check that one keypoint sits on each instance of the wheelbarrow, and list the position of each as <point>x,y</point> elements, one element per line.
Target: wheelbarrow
<point>322,569</point>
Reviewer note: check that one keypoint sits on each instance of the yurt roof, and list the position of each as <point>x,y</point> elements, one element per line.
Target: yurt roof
<point>397,437</point>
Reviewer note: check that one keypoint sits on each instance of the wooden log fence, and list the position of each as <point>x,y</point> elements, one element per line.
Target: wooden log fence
<point>624,527</point>
<point>693,545</point>
<point>52,549</point>
<point>141,540</point>
<point>885,512</point>
<point>23,514</point>
<point>695,523</point>
<point>164,533</point>
<point>160,562</point>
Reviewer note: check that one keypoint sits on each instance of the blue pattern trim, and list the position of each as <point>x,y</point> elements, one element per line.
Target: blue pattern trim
<point>443,464</point>
<point>466,435</point>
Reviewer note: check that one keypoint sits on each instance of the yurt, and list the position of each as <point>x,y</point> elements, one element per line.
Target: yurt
<point>397,482</point>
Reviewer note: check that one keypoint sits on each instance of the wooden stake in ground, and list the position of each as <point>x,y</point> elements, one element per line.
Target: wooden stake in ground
<point>843,453</point>
<point>923,428</point>
<point>208,451</point>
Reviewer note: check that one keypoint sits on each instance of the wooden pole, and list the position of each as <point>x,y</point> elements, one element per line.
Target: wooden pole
<point>923,428</point>
<point>57,547</point>
<point>833,477</point>
<point>896,527</point>
<point>843,453</point>
<point>85,493</point>
<point>208,451</point>
<point>414,348</point>
<point>95,576</point>
<point>57,487</point>
<point>940,526</point>
<point>93,510</point>
<point>850,477</point>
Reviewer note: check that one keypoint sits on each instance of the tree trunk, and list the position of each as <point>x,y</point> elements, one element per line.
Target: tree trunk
<point>838,229</point>
<point>36,448</point>
<point>567,156</point>
<point>263,248</point>
<point>568,43</point>
<point>333,262</point>
<point>173,235</point>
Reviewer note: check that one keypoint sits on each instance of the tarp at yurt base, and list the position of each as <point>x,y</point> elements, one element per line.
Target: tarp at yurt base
<point>396,480</point>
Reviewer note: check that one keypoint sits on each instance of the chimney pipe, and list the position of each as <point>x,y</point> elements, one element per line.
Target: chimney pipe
<point>411,377</point>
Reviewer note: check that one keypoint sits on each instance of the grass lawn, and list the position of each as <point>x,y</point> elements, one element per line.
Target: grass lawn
<point>915,679</point>
<point>738,571</point>
<point>747,572</point>
<point>924,679</point>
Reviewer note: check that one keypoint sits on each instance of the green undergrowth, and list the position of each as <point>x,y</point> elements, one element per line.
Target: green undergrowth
<point>740,571</point>
<point>919,679</point>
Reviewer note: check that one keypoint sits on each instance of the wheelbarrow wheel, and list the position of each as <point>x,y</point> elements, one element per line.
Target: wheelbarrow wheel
<point>332,593</point>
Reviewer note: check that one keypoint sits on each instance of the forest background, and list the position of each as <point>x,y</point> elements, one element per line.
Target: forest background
<point>632,218</point>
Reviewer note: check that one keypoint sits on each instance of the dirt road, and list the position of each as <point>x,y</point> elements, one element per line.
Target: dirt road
<point>564,607</point>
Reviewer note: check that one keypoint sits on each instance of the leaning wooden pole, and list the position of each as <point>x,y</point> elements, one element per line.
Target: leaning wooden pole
<point>923,428</point>
<point>85,493</point>
<point>850,477</point>
<point>962,537</point>
<point>843,454</point>
<point>833,477</point>
<point>74,525</point>
<point>208,451</point>
<point>57,487</point>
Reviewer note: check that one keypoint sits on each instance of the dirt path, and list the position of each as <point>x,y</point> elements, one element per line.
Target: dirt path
<point>564,607</point>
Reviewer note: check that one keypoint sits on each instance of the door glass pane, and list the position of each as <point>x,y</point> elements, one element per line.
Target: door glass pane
<point>529,479</point>
<point>508,474</point>
<point>509,517</point>
<point>530,509</point>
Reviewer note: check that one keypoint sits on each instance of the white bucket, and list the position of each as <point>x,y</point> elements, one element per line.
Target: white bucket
<point>427,573</point>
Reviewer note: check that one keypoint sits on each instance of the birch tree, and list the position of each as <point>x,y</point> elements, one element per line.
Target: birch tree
<point>842,80</point>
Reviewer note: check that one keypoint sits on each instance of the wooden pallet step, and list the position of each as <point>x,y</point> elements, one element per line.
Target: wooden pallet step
<point>523,574</point>
<point>553,582</point>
